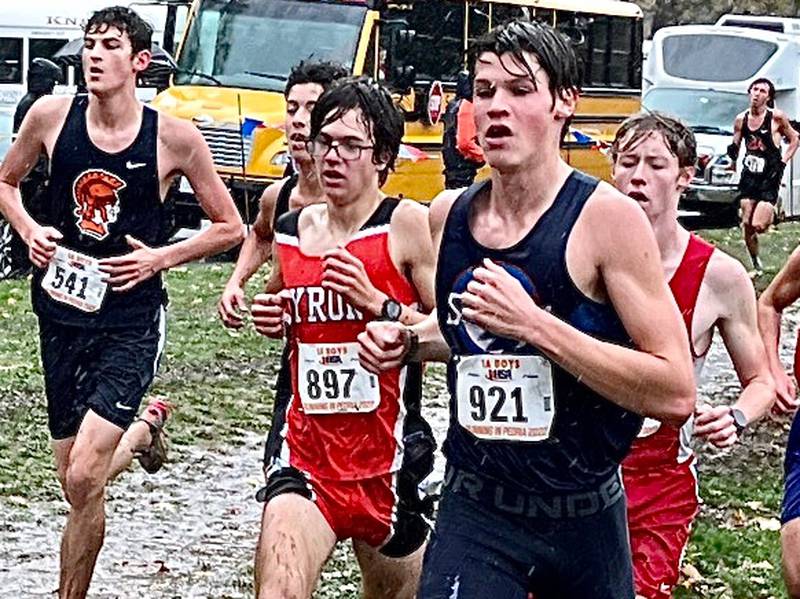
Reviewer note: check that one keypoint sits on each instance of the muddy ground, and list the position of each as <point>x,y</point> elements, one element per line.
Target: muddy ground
<point>190,531</point>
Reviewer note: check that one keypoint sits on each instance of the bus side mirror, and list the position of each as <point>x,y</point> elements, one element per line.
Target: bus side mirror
<point>403,77</point>
<point>401,74</point>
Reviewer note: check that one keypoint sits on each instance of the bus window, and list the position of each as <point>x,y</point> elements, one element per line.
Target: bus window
<point>438,49</point>
<point>45,48</point>
<point>10,60</point>
<point>611,55</point>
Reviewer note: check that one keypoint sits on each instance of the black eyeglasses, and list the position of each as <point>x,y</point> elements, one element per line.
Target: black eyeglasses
<point>345,150</point>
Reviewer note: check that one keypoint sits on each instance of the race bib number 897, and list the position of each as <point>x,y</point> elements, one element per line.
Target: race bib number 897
<point>331,380</point>
<point>505,398</point>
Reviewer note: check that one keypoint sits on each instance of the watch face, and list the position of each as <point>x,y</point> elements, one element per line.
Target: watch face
<point>392,310</point>
<point>739,419</point>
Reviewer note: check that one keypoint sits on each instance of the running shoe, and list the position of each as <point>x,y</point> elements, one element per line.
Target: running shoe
<point>153,456</point>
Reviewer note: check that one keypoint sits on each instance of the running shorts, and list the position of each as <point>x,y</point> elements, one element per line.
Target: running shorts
<point>490,541</point>
<point>662,504</point>
<point>107,371</point>
<point>372,510</point>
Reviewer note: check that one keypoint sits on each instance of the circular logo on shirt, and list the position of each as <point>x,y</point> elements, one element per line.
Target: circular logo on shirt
<point>475,339</point>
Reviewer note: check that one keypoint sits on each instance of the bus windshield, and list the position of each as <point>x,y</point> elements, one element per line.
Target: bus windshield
<point>704,110</point>
<point>254,45</point>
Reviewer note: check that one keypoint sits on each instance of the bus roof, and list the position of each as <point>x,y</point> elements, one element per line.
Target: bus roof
<point>619,8</point>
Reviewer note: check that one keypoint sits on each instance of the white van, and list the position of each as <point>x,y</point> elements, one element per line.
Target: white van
<point>701,74</point>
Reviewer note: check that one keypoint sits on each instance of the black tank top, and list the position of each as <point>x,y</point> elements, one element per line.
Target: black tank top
<point>759,142</point>
<point>96,199</point>
<point>589,435</point>
<point>282,202</point>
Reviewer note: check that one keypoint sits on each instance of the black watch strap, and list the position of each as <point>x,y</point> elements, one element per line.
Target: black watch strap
<point>412,346</point>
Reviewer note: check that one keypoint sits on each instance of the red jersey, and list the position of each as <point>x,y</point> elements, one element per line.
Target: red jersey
<point>343,423</point>
<point>660,443</point>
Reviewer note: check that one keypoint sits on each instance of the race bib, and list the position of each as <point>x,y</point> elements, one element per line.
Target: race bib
<point>75,279</point>
<point>505,398</point>
<point>331,380</point>
<point>649,427</point>
<point>754,164</point>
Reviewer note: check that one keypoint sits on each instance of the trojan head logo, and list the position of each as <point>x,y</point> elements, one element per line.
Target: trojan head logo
<point>97,201</point>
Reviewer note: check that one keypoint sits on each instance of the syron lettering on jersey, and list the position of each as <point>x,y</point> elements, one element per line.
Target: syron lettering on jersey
<point>317,304</point>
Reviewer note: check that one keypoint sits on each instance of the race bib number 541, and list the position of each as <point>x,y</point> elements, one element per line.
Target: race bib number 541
<point>331,380</point>
<point>75,279</point>
<point>505,398</point>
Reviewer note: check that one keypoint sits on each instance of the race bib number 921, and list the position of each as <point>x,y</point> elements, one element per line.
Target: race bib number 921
<point>504,397</point>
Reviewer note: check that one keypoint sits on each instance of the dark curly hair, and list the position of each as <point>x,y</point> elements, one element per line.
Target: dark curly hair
<point>139,31</point>
<point>378,114</point>
<point>321,72</point>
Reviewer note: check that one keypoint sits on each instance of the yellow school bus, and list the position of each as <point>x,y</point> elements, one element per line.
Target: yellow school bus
<point>235,57</point>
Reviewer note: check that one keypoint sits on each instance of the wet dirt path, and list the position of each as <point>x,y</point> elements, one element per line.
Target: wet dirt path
<point>190,531</point>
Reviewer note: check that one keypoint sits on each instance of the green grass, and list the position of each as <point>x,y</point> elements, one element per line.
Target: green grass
<point>221,382</point>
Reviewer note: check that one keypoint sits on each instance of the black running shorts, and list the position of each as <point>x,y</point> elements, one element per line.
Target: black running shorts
<point>107,371</point>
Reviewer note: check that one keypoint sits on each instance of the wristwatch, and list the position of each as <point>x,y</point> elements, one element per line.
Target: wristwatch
<point>739,421</point>
<point>391,310</point>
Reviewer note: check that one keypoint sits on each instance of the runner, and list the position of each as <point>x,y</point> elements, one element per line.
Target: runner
<point>306,82</point>
<point>761,127</point>
<point>541,272</point>
<point>654,156</point>
<point>782,293</point>
<point>353,448</point>
<point>97,289</point>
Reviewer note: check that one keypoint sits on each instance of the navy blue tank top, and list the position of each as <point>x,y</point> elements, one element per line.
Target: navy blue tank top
<point>96,199</point>
<point>588,435</point>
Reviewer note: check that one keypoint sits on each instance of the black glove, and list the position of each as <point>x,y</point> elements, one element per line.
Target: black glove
<point>732,151</point>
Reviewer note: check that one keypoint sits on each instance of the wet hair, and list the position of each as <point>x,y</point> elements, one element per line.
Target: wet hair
<point>377,112</point>
<point>139,31</point>
<point>678,137</point>
<point>770,86</point>
<point>552,49</point>
<point>321,72</point>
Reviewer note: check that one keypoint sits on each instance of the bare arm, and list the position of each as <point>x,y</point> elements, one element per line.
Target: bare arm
<point>732,292</point>
<point>226,230</point>
<point>255,251</point>
<point>781,293</point>
<point>788,133</point>
<point>387,345</point>
<point>21,158</point>
<point>654,379</point>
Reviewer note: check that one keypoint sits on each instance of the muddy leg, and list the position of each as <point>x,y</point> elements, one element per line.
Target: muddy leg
<point>295,543</point>
<point>387,577</point>
<point>85,479</point>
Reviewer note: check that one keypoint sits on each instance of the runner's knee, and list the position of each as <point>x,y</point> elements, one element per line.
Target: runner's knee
<point>83,483</point>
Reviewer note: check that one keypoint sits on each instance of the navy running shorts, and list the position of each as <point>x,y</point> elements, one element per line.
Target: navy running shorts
<point>107,371</point>
<point>791,474</point>
<point>491,541</point>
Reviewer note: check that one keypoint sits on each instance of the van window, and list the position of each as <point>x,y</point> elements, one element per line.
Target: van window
<point>10,60</point>
<point>707,57</point>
